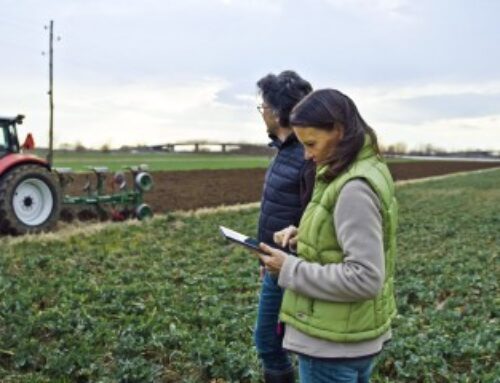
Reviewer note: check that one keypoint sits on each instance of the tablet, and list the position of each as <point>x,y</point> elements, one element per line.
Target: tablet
<point>240,239</point>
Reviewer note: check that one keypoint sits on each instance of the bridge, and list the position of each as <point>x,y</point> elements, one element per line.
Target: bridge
<point>199,145</point>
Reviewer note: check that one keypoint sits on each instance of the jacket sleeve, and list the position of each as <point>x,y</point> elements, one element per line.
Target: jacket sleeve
<point>358,225</point>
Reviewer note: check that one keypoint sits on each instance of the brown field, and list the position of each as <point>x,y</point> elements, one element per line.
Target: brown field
<point>186,190</point>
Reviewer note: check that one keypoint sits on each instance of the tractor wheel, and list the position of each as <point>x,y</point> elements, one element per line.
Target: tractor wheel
<point>144,181</point>
<point>30,200</point>
<point>143,211</point>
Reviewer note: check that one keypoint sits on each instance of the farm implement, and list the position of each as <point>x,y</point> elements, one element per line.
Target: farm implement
<point>32,193</point>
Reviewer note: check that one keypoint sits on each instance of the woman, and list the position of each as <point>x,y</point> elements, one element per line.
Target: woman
<point>339,299</point>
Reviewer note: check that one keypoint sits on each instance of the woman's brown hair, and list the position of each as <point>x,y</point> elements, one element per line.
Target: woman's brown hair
<point>324,109</point>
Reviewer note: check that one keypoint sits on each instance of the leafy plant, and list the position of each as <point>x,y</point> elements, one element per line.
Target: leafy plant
<point>170,301</point>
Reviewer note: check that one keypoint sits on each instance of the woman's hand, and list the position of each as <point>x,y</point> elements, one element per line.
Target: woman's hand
<point>286,237</point>
<point>274,259</point>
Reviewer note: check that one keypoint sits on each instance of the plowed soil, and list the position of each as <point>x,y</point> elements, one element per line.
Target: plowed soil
<point>185,190</point>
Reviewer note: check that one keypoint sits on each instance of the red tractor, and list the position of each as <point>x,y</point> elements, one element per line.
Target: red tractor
<point>30,194</point>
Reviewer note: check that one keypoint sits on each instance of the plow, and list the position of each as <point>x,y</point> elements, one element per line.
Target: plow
<point>33,193</point>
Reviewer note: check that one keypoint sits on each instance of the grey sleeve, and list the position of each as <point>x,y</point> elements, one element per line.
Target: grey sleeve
<point>358,224</point>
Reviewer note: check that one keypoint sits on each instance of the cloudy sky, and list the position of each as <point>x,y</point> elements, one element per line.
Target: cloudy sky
<point>152,71</point>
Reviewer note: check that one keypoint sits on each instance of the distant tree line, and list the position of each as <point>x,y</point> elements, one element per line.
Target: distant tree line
<point>399,148</point>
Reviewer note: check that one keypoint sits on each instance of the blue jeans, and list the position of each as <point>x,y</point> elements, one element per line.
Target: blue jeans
<point>317,370</point>
<point>268,334</point>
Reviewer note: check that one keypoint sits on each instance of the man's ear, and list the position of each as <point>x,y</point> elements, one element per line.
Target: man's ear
<point>276,116</point>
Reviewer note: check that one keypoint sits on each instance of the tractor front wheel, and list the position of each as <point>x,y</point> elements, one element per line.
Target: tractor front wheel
<point>30,200</point>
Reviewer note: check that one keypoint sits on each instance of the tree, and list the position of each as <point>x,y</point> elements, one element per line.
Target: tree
<point>79,147</point>
<point>105,148</point>
<point>400,148</point>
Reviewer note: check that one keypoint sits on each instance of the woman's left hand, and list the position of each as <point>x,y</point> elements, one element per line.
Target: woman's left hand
<point>274,259</point>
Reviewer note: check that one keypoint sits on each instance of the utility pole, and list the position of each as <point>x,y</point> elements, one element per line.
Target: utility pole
<point>51,93</point>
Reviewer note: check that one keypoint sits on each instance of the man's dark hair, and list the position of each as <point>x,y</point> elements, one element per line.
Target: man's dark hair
<point>283,92</point>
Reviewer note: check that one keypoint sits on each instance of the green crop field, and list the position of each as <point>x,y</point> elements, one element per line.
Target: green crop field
<point>169,301</point>
<point>159,161</point>
<point>80,161</point>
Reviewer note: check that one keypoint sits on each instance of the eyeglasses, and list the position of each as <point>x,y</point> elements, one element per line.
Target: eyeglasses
<point>262,107</point>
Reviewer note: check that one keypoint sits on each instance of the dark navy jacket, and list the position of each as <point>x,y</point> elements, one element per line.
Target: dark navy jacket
<point>287,189</point>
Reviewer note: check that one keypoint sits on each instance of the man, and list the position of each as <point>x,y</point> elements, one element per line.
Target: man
<point>287,190</point>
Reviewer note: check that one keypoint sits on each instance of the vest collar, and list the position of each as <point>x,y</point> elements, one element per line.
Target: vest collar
<point>367,149</point>
<point>277,143</point>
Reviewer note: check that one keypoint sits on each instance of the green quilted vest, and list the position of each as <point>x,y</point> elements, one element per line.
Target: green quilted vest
<point>317,242</point>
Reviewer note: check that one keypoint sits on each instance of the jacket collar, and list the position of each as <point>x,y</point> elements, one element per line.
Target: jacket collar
<point>277,143</point>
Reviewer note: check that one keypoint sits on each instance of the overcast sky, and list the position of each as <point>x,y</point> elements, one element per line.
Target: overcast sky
<point>151,71</point>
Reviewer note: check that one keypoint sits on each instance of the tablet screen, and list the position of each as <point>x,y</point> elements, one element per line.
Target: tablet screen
<point>241,239</point>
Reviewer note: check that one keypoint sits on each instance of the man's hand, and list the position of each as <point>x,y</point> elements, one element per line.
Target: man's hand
<point>286,237</point>
<point>274,259</point>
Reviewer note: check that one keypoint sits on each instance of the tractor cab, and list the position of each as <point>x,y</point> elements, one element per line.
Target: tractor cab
<point>9,142</point>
